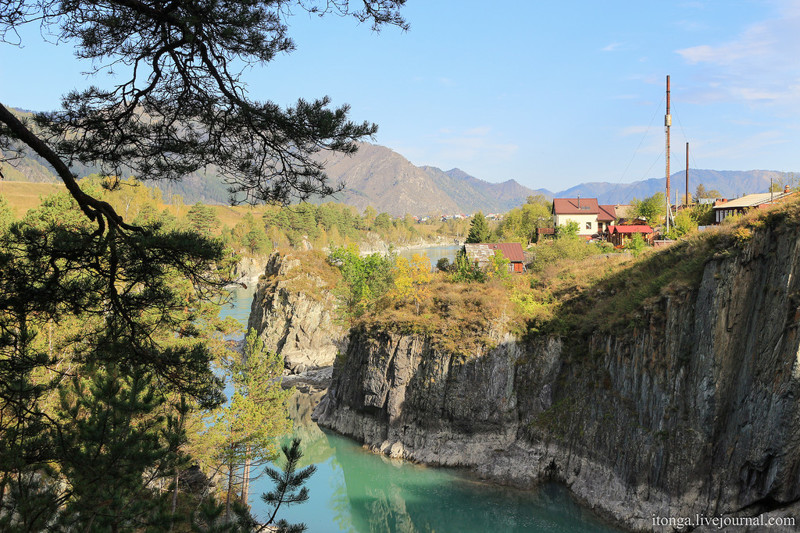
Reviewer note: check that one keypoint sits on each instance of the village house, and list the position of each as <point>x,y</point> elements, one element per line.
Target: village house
<point>591,217</point>
<point>619,235</point>
<point>481,254</point>
<point>724,208</point>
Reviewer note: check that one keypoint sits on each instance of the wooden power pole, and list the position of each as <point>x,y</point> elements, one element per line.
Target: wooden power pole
<point>686,198</point>
<point>667,124</point>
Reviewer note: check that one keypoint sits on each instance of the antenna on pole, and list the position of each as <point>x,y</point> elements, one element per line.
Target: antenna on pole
<point>667,124</point>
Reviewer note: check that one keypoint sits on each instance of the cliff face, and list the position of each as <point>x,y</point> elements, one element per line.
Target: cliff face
<point>694,410</point>
<point>293,311</point>
<point>248,269</point>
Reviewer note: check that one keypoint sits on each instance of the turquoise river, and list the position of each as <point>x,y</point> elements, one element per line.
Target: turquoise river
<point>360,492</point>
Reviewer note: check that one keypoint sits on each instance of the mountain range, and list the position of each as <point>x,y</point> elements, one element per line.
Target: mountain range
<point>382,178</point>
<point>729,183</point>
<point>376,175</point>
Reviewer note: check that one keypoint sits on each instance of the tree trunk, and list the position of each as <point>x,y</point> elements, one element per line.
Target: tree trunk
<point>175,495</point>
<point>230,492</point>
<point>3,488</point>
<point>246,478</point>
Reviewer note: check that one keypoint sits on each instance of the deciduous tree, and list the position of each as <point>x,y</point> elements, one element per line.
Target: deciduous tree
<point>411,279</point>
<point>652,209</point>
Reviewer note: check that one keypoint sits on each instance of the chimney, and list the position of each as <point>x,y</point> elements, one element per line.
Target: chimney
<point>579,201</point>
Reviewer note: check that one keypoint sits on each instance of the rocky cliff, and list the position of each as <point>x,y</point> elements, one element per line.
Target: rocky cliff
<point>249,269</point>
<point>691,410</point>
<point>293,310</point>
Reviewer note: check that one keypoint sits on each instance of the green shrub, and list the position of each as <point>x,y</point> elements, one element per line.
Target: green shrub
<point>466,271</point>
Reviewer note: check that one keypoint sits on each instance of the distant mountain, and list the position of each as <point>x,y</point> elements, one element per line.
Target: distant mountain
<point>473,194</point>
<point>203,186</point>
<point>384,179</point>
<point>730,183</point>
<point>206,187</point>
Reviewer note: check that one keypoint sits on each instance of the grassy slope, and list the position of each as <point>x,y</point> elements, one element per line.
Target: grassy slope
<point>24,195</point>
<point>572,298</point>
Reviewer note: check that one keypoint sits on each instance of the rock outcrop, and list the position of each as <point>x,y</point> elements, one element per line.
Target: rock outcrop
<point>693,411</point>
<point>249,269</point>
<point>294,310</point>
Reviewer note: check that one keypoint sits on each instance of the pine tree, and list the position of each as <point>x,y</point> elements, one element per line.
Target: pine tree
<point>287,483</point>
<point>203,219</point>
<point>86,413</point>
<point>478,229</point>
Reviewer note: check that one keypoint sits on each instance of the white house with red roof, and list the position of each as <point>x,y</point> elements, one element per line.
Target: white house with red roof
<point>592,218</point>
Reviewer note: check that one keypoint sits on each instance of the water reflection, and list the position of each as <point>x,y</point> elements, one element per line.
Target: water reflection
<point>356,491</point>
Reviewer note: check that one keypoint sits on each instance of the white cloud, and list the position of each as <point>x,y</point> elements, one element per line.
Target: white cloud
<point>691,26</point>
<point>611,47</point>
<point>756,67</point>
<point>754,94</point>
<point>743,148</point>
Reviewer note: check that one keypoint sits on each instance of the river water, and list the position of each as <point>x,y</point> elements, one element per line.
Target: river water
<point>360,492</point>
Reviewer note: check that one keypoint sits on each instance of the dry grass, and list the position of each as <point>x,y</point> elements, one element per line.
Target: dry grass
<point>604,293</point>
<point>24,196</point>
<point>574,298</point>
<point>314,276</point>
<point>229,216</point>
<point>456,317</point>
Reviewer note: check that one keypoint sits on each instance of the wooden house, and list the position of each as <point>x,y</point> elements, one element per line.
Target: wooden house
<point>619,235</point>
<point>724,208</point>
<point>481,254</point>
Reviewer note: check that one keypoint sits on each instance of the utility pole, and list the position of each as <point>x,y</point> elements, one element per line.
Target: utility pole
<point>686,199</point>
<point>667,124</point>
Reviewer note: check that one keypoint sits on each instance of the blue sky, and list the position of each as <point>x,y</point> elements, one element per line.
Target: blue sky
<point>548,93</point>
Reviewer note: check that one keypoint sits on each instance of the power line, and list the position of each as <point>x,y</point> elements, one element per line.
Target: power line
<point>635,152</point>
<point>685,138</point>
<point>641,141</point>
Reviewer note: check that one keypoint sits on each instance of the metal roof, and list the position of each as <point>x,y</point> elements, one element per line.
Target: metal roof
<point>483,251</point>
<point>638,228</point>
<point>575,206</point>
<point>752,200</point>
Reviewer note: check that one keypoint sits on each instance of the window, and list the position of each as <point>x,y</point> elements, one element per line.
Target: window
<point>588,225</point>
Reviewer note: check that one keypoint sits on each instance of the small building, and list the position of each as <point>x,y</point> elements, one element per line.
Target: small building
<point>619,235</point>
<point>545,233</point>
<point>724,208</point>
<point>482,253</point>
